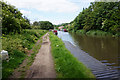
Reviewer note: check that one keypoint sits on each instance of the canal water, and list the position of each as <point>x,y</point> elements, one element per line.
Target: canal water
<point>104,49</point>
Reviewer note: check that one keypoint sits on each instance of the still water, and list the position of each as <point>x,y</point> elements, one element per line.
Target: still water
<point>104,49</point>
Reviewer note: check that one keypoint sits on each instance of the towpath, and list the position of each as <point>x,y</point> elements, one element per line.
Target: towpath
<point>43,65</point>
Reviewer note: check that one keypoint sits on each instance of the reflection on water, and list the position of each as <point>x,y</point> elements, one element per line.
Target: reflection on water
<point>104,49</point>
<point>65,36</point>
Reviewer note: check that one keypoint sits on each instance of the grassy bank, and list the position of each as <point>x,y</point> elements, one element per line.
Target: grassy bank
<point>18,46</point>
<point>66,65</point>
<point>99,33</point>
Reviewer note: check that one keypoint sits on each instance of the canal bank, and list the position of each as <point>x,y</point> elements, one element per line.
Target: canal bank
<point>99,33</point>
<point>100,70</point>
<point>76,50</point>
<point>66,65</point>
<point>104,49</point>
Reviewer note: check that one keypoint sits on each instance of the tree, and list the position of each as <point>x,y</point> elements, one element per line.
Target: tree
<point>12,20</point>
<point>99,16</point>
<point>46,25</point>
<point>35,23</point>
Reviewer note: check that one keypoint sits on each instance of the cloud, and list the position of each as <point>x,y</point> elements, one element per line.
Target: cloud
<point>55,11</point>
<point>25,12</point>
<point>46,5</point>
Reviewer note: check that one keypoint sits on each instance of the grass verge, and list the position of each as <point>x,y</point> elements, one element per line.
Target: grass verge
<point>66,65</point>
<point>18,46</point>
<point>98,33</point>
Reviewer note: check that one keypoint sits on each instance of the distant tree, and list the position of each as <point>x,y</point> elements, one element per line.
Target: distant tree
<point>35,23</point>
<point>46,25</point>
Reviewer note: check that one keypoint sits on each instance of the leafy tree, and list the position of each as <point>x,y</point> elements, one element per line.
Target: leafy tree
<point>35,23</point>
<point>98,16</point>
<point>12,20</point>
<point>11,24</point>
<point>46,25</point>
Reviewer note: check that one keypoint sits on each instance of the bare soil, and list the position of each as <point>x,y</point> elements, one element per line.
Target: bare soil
<point>43,65</point>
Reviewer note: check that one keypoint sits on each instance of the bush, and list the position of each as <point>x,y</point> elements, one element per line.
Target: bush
<point>12,20</point>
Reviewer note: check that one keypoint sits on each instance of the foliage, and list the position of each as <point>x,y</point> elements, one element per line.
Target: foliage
<point>36,25</point>
<point>18,46</point>
<point>71,27</point>
<point>12,20</point>
<point>98,33</point>
<point>63,24</point>
<point>98,16</point>
<point>66,65</point>
<point>81,31</point>
<point>46,25</point>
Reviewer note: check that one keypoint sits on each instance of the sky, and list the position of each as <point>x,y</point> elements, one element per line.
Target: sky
<point>55,11</point>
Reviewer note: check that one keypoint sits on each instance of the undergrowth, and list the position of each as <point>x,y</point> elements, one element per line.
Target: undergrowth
<point>18,45</point>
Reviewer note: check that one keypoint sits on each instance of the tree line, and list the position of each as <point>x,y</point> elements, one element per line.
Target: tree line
<point>13,20</point>
<point>104,16</point>
<point>43,25</point>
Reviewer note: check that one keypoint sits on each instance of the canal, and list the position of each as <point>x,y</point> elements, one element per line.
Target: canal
<point>104,49</point>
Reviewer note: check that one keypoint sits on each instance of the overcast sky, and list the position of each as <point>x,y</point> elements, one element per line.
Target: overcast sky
<point>55,11</point>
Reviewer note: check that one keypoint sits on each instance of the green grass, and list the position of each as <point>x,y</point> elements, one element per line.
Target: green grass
<point>97,33</point>
<point>66,65</point>
<point>17,46</point>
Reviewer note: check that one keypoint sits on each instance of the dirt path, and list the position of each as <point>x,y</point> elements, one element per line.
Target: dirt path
<point>43,65</point>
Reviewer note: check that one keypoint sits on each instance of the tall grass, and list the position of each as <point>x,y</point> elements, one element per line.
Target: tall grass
<point>18,46</point>
<point>81,31</point>
<point>98,33</point>
<point>66,65</point>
